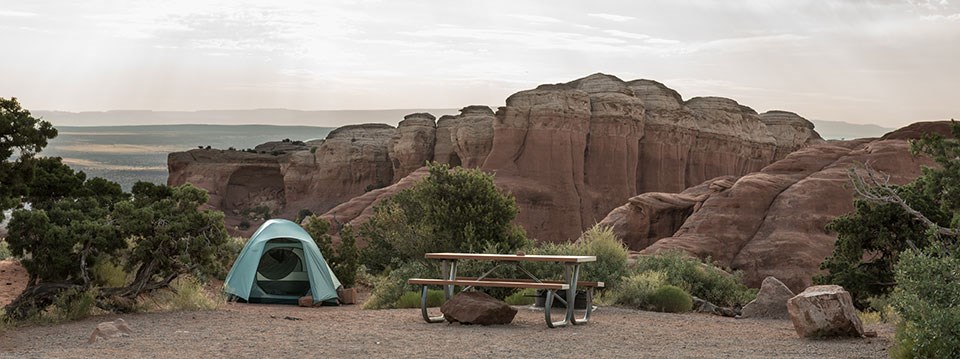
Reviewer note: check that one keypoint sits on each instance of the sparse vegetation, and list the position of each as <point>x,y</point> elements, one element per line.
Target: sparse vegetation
<point>523,297</point>
<point>635,290</point>
<point>700,279</point>
<point>412,299</point>
<point>4,250</point>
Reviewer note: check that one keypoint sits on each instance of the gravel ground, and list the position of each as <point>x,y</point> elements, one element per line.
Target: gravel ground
<point>248,330</point>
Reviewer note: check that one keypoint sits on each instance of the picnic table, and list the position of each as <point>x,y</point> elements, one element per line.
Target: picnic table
<point>571,275</point>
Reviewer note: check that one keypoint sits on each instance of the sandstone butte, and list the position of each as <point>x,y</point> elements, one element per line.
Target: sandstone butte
<point>568,152</point>
<point>706,176</point>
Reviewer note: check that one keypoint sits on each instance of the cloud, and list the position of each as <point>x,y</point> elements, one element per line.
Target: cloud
<point>612,17</point>
<point>10,13</point>
<point>535,18</point>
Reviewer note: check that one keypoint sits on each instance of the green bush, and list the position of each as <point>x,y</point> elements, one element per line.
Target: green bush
<point>597,241</point>
<point>700,279</point>
<point>187,294</point>
<point>635,291</point>
<point>523,297</point>
<point>74,305</point>
<point>458,210</point>
<point>671,299</point>
<point>927,298</point>
<point>412,299</point>
<point>109,274</point>
<point>390,286</point>
<point>4,250</point>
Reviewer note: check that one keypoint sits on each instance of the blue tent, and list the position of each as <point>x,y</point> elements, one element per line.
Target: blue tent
<point>279,264</point>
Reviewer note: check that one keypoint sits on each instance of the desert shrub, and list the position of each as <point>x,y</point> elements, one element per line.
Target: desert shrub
<point>185,294</point>
<point>4,250</point>
<point>458,210</point>
<point>670,299</point>
<point>107,273</point>
<point>74,304</point>
<point>244,224</point>
<point>597,241</point>
<point>390,286</point>
<point>635,290</point>
<point>927,299</point>
<point>700,279</point>
<point>412,299</point>
<point>343,257</point>
<point>523,297</point>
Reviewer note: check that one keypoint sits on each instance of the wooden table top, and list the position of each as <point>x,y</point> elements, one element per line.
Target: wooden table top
<point>512,257</point>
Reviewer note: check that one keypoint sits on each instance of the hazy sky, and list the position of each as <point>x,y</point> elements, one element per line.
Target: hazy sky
<point>884,62</point>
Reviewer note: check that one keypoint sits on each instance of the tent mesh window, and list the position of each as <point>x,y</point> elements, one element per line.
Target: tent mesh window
<point>276,266</point>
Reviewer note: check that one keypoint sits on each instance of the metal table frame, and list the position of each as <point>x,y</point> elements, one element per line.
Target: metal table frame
<point>571,275</point>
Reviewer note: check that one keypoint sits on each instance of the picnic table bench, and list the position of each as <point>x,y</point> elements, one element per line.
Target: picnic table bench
<point>571,265</point>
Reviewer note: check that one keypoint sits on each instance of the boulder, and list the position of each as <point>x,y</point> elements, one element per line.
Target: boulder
<point>477,308</point>
<point>771,302</point>
<point>824,311</point>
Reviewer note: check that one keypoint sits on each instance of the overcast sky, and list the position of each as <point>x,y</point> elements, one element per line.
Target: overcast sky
<point>884,62</point>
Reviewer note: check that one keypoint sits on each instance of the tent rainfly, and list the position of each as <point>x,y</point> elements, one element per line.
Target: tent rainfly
<point>279,264</point>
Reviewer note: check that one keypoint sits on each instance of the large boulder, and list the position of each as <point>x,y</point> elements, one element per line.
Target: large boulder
<point>771,301</point>
<point>824,311</point>
<point>477,308</point>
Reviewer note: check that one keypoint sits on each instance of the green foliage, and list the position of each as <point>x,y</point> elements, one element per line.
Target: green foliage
<point>4,250</point>
<point>74,305</point>
<point>390,286</point>
<point>871,238</point>
<point>68,228</point>
<point>344,257</point>
<point>700,279</point>
<point>635,291</point>
<point>170,234</point>
<point>671,299</point>
<point>869,242</point>
<point>523,297</point>
<point>927,298</point>
<point>106,273</point>
<point>597,241</point>
<point>412,299</point>
<point>186,294</point>
<point>23,137</point>
<point>457,210</point>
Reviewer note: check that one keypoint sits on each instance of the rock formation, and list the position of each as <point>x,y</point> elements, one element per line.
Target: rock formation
<point>768,223</point>
<point>771,301</point>
<point>412,144</point>
<point>824,311</point>
<point>473,307</point>
<point>569,153</point>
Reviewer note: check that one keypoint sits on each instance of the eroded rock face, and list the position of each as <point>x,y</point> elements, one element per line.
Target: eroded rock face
<point>768,223</point>
<point>790,131</point>
<point>569,153</point>
<point>771,301</point>
<point>477,308</point>
<point>412,144</point>
<point>824,311</point>
<point>465,139</point>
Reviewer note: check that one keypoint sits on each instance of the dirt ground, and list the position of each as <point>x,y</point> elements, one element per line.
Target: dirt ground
<point>251,330</point>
